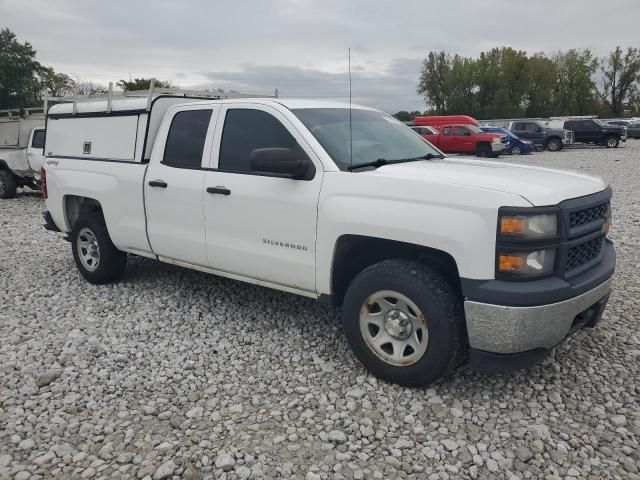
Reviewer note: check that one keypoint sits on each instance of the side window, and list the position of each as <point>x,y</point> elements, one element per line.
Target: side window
<point>38,139</point>
<point>446,131</point>
<point>185,141</point>
<point>588,124</point>
<point>530,127</point>
<point>246,130</point>
<point>519,127</point>
<point>461,132</point>
<point>570,125</point>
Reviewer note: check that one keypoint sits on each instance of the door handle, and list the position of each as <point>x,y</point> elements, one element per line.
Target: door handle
<point>219,190</point>
<point>158,183</point>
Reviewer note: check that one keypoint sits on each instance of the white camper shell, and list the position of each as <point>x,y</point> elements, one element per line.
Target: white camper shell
<point>117,129</point>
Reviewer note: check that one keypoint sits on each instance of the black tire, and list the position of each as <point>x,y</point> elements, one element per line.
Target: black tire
<point>554,145</point>
<point>441,308</point>
<point>483,150</point>
<point>612,141</point>
<point>111,262</point>
<point>8,184</point>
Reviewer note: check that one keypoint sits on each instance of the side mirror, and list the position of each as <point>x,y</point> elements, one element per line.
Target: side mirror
<point>538,129</point>
<point>283,162</point>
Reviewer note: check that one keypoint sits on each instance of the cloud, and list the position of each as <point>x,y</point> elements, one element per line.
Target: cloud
<point>390,90</point>
<point>300,46</point>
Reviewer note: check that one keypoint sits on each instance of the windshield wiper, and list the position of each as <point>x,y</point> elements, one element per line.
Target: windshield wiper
<point>383,161</point>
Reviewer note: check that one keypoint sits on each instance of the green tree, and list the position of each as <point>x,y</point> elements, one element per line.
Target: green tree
<point>541,82</point>
<point>19,72</point>
<point>433,83</point>
<point>620,77</point>
<point>56,84</point>
<point>142,84</point>
<point>462,86</point>
<point>575,88</point>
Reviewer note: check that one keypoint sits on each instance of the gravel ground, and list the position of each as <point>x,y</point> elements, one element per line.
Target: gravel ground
<point>175,374</point>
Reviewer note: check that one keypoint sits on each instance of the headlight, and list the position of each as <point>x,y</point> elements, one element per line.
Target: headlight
<point>527,263</point>
<point>497,140</point>
<point>529,226</point>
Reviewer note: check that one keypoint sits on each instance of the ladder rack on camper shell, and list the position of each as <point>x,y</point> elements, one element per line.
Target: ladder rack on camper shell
<point>152,93</point>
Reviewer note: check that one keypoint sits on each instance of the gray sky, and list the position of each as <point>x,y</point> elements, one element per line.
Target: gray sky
<point>300,46</point>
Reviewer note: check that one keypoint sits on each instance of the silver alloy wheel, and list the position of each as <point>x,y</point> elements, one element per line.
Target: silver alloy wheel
<point>88,249</point>
<point>394,328</point>
<point>516,150</point>
<point>611,142</point>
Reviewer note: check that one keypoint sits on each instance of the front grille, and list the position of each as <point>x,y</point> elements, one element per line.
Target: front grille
<point>583,253</point>
<point>588,215</point>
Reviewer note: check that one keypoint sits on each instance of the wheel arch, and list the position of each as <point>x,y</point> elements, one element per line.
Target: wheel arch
<point>75,205</point>
<point>354,253</point>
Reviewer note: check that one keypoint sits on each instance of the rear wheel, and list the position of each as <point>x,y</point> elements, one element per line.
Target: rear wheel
<point>98,260</point>
<point>612,141</point>
<point>554,144</point>
<point>8,184</point>
<point>404,322</point>
<point>484,150</point>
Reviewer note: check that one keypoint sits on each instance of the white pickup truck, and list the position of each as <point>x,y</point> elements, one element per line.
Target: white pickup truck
<point>433,260</point>
<point>21,154</point>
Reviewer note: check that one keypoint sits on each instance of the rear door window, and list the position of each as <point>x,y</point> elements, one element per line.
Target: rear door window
<point>446,131</point>
<point>185,141</point>
<point>38,139</point>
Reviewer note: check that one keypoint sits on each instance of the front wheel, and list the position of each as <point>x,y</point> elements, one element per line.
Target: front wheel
<point>484,151</point>
<point>554,145</point>
<point>8,184</point>
<point>612,141</point>
<point>516,150</point>
<point>98,260</point>
<point>404,322</point>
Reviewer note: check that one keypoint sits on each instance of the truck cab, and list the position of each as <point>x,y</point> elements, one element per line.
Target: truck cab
<point>541,135</point>
<point>592,130</point>
<point>432,259</point>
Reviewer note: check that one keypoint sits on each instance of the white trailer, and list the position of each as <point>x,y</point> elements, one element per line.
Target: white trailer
<point>22,135</point>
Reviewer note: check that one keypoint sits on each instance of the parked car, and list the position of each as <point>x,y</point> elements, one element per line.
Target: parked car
<point>597,132</point>
<point>516,145</point>
<point>633,130</point>
<point>428,133</point>
<point>432,259</point>
<point>541,135</point>
<point>21,155</point>
<point>441,120</point>
<point>468,139</point>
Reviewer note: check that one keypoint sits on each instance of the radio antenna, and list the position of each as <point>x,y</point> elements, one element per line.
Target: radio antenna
<point>350,132</point>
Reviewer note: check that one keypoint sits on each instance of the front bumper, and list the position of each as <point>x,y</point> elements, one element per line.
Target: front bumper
<point>498,147</point>
<point>506,329</point>
<point>503,339</point>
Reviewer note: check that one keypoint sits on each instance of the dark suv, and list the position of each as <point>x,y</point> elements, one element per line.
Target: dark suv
<point>592,130</point>
<point>552,139</point>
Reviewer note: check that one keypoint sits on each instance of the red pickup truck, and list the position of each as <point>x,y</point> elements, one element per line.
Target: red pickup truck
<point>459,138</point>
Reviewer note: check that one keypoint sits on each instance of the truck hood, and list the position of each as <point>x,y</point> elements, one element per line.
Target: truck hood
<point>538,185</point>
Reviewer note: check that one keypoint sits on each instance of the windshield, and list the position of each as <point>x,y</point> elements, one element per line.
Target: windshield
<point>375,135</point>
<point>599,122</point>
